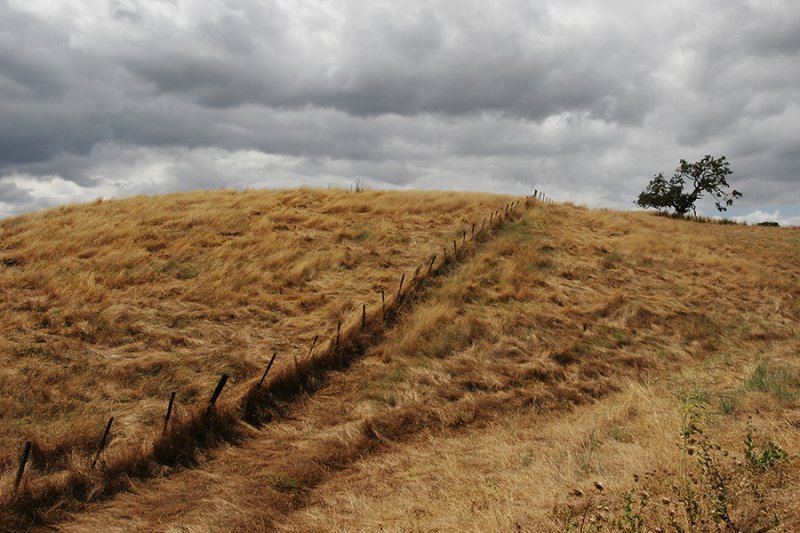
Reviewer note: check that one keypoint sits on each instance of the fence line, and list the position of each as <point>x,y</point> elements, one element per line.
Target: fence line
<point>262,396</point>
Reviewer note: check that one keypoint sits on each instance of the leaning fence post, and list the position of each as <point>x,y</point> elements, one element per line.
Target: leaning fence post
<point>217,392</point>
<point>169,412</point>
<point>103,440</point>
<point>23,459</point>
<point>430,266</point>
<point>269,365</point>
<point>399,289</point>
<point>313,344</point>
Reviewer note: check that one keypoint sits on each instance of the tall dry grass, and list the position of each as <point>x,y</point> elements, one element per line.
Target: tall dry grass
<point>289,379</point>
<point>109,307</point>
<point>559,356</point>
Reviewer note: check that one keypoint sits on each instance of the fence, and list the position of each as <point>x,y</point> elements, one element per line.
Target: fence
<point>258,401</point>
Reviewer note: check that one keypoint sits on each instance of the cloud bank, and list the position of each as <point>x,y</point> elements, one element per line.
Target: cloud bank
<point>583,99</point>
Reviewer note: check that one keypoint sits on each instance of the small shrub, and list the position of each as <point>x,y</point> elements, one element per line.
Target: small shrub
<point>728,404</point>
<point>633,512</point>
<point>769,457</point>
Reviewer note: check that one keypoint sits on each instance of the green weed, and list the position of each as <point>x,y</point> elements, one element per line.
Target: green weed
<point>776,381</point>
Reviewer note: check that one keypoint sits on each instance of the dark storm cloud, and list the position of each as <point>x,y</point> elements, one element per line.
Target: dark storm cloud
<point>590,100</point>
<point>409,64</point>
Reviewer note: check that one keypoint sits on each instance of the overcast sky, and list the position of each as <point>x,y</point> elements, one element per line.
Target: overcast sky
<point>583,99</point>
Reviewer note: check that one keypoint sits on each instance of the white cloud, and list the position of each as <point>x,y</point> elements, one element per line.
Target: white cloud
<point>758,216</point>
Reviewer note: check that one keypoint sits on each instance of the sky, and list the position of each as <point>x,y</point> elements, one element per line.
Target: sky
<point>581,99</point>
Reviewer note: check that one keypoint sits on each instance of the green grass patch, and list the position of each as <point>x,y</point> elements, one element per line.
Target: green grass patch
<point>362,235</point>
<point>520,231</point>
<point>773,380</point>
<point>288,484</point>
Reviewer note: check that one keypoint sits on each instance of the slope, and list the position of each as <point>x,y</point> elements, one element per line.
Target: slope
<point>586,369</point>
<point>107,308</point>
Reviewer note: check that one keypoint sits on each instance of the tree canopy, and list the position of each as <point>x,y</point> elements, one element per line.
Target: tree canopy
<point>688,185</point>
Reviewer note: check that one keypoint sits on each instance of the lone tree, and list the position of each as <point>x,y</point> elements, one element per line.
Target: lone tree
<point>706,176</point>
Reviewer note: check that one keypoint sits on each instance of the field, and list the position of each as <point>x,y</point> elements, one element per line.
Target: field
<point>108,308</point>
<point>575,370</point>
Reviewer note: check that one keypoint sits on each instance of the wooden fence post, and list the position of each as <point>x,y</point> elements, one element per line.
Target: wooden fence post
<point>455,250</point>
<point>472,236</point>
<point>269,365</point>
<point>313,344</point>
<point>217,392</point>
<point>399,290</point>
<point>383,304</point>
<point>103,441</point>
<point>169,412</point>
<point>23,459</point>
<point>363,317</point>
<point>430,266</point>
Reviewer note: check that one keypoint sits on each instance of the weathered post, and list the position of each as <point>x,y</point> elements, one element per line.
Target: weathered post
<point>103,441</point>
<point>400,289</point>
<point>383,304</point>
<point>23,459</point>
<point>313,344</point>
<point>430,266</point>
<point>169,412</point>
<point>269,365</point>
<point>222,381</point>
<point>363,317</point>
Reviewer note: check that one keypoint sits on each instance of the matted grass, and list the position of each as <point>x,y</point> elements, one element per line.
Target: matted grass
<point>109,307</point>
<point>551,375</point>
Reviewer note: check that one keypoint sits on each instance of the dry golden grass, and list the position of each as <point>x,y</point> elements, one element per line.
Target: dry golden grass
<point>109,307</point>
<point>573,348</point>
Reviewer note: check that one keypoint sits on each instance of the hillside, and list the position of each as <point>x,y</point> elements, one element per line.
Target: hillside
<point>109,307</point>
<point>575,370</point>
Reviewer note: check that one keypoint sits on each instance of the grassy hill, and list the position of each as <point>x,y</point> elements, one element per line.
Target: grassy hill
<point>109,307</point>
<point>575,370</point>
